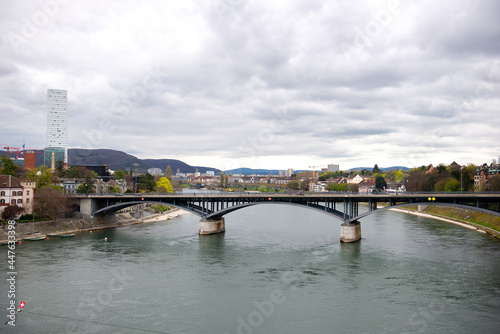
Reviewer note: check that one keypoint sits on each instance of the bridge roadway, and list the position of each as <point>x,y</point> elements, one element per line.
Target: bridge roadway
<point>211,207</point>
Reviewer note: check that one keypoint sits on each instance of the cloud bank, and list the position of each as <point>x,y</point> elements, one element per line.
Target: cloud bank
<point>232,83</point>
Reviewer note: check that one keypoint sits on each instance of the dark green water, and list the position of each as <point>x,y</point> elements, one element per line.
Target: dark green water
<point>277,269</point>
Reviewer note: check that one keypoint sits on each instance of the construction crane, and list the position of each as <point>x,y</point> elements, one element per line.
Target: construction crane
<point>19,149</point>
<point>314,167</point>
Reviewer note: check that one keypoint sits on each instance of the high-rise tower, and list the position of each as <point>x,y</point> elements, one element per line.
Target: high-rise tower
<point>57,126</point>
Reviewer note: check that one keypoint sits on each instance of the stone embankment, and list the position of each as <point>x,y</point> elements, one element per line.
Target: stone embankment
<point>65,226</point>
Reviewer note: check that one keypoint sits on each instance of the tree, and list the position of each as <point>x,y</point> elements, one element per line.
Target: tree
<point>116,189</point>
<point>8,167</point>
<point>85,172</point>
<point>376,170</point>
<point>452,185</point>
<point>222,179</point>
<point>146,183</point>
<point>49,203</point>
<point>87,187</point>
<point>73,173</point>
<point>11,212</point>
<point>294,185</point>
<point>163,186</point>
<point>493,183</point>
<point>168,173</point>
<point>262,189</point>
<point>367,172</point>
<point>119,174</point>
<point>41,175</point>
<point>441,168</point>
<point>380,182</point>
<point>60,168</point>
<point>398,175</point>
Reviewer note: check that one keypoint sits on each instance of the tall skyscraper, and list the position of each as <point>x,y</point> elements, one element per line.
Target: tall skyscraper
<point>57,125</point>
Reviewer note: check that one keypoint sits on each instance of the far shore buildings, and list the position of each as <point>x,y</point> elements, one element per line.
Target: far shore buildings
<point>485,172</point>
<point>16,192</point>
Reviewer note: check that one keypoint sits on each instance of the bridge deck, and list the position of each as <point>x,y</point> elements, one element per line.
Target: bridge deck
<point>215,205</point>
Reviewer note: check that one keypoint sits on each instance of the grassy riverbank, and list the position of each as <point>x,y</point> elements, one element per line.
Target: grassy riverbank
<point>475,218</point>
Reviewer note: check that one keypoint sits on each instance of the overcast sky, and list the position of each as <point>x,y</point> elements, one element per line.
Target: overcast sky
<point>261,84</point>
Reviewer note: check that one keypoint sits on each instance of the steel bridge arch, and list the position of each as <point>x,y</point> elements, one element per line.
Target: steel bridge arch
<point>462,206</point>
<point>218,214</point>
<point>318,208</point>
<point>116,207</point>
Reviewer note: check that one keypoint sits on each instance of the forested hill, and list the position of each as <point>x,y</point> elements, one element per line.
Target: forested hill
<point>120,160</point>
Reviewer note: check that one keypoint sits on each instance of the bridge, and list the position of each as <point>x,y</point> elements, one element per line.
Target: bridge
<point>211,207</point>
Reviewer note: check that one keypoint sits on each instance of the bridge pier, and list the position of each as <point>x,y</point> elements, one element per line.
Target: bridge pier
<point>212,226</point>
<point>86,206</point>
<point>350,232</point>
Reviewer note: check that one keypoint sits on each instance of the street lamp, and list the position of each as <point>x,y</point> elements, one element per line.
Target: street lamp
<point>461,180</point>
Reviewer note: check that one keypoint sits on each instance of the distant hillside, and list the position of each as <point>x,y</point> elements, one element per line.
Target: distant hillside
<point>121,160</point>
<point>177,164</point>
<point>114,159</point>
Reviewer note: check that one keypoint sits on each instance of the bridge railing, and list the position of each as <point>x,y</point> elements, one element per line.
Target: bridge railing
<point>276,194</point>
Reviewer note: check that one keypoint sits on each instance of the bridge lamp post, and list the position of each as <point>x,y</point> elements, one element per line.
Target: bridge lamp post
<point>461,180</point>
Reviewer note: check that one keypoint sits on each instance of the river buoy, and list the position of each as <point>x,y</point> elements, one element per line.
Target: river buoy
<point>90,231</point>
<point>105,239</point>
<point>19,241</point>
<point>47,238</point>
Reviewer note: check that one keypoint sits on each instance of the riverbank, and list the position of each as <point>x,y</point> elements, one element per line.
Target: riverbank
<point>449,215</point>
<point>66,226</point>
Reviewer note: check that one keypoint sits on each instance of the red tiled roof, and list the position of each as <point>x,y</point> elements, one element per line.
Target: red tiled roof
<point>8,181</point>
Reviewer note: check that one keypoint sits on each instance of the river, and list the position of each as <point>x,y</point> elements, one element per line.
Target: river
<point>277,269</point>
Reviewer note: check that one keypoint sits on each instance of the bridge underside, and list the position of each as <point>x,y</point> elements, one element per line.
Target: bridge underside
<point>212,208</point>
<point>344,208</point>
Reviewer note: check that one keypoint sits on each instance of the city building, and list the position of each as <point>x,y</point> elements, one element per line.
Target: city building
<point>71,185</point>
<point>484,172</point>
<point>57,126</point>
<point>355,179</point>
<point>16,192</point>
<point>155,171</point>
<point>102,171</point>
<point>30,159</point>
<point>59,155</point>
<point>289,172</point>
<point>330,168</point>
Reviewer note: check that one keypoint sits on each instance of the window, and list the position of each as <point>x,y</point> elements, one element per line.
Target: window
<point>2,201</point>
<point>13,202</point>
<point>27,201</point>
<point>2,193</point>
<point>27,193</point>
<point>20,201</point>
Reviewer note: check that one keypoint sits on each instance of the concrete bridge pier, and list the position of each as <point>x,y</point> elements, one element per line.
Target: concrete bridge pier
<point>212,226</point>
<point>350,232</point>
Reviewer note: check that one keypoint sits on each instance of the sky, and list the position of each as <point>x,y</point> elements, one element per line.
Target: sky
<point>259,84</point>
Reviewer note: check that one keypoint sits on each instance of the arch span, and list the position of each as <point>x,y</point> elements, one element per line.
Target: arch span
<point>318,208</point>
<point>340,206</point>
<point>462,206</point>
<point>116,207</point>
<point>197,210</point>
